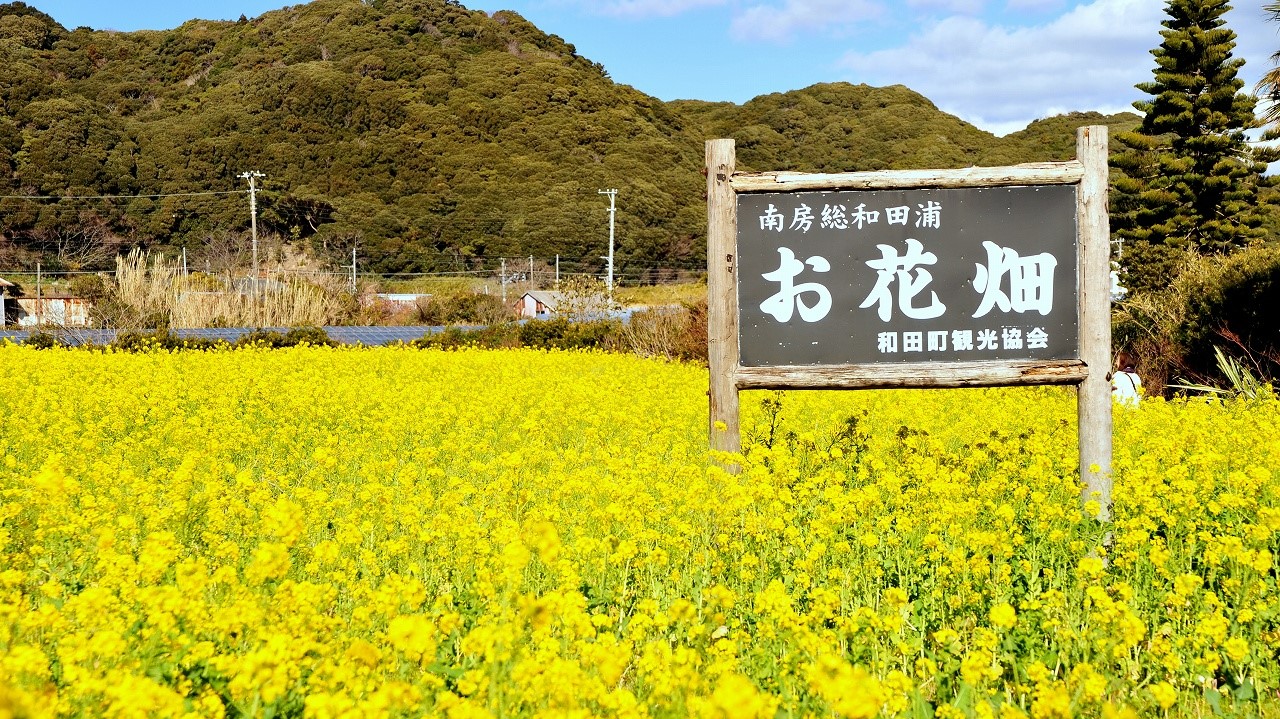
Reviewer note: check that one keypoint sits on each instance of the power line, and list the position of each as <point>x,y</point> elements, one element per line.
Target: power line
<point>120,197</point>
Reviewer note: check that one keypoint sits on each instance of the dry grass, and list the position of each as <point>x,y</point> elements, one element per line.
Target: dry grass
<point>148,288</point>
<point>295,304</point>
<point>431,285</point>
<point>157,293</point>
<point>671,332</point>
<point>659,295</point>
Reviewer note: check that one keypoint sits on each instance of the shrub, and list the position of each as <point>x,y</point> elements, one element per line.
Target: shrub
<point>133,341</point>
<point>670,332</point>
<point>267,338</point>
<point>315,336</point>
<point>41,341</point>
<point>560,333</point>
<point>557,333</point>
<point>463,308</point>
<point>95,288</point>
<point>1213,302</point>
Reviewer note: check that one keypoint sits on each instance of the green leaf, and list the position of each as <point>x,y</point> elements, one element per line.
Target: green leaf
<point>1245,692</point>
<point>1214,700</point>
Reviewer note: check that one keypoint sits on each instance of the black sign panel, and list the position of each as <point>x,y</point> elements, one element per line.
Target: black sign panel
<point>863,277</point>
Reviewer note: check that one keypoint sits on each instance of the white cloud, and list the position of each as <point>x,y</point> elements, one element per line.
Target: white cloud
<point>1001,77</point>
<point>1257,37</point>
<point>782,23</point>
<point>964,7</point>
<point>1034,5</point>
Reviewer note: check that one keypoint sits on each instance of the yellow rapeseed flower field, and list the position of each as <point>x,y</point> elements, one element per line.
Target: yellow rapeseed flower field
<point>391,532</point>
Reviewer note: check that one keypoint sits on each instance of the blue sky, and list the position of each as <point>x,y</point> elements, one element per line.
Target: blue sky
<point>996,63</point>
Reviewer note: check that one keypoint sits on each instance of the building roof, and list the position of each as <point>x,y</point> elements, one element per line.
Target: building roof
<point>550,299</point>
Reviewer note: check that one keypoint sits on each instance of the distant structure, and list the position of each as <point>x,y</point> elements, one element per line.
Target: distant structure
<point>55,310</point>
<point>47,309</point>
<point>539,304</point>
<point>1118,291</point>
<point>4,300</point>
<point>403,299</point>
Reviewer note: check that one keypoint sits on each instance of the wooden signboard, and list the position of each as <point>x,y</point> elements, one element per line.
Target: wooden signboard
<point>981,277</point>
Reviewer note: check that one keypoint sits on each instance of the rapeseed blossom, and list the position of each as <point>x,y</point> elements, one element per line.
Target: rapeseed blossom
<point>350,532</point>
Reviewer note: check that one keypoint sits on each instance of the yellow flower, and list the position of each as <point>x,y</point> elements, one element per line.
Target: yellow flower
<point>1003,615</point>
<point>1090,568</point>
<point>1052,702</point>
<point>1164,694</point>
<point>974,667</point>
<point>851,691</point>
<point>361,651</point>
<point>270,561</point>
<point>946,711</point>
<point>1110,711</point>
<point>414,636</point>
<point>1010,711</point>
<point>735,697</point>
<point>358,532</point>
<point>1236,649</point>
<point>946,636</point>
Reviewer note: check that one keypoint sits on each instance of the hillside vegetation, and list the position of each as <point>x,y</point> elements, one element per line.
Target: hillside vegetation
<point>431,136</point>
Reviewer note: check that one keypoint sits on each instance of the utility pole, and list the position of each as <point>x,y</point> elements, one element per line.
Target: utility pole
<point>252,176</point>
<point>353,271</point>
<point>613,196</point>
<point>557,272</point>
<point>39,298</point>
<point>184,262</point>
<point>531,270</point>
<point>502,279</point>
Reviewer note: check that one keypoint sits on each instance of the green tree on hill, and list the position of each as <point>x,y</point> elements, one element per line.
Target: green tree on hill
<point>1190,181</point>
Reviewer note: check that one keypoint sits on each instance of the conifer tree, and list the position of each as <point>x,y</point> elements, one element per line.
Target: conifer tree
<point>1189,178</point>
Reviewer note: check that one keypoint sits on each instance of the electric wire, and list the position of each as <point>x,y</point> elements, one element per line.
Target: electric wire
<point>122,197</point>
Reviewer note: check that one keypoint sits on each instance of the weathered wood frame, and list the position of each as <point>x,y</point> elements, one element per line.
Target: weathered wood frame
<point>1091,373</point>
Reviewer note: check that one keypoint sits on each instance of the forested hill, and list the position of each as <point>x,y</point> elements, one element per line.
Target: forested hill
<point>434,136</point>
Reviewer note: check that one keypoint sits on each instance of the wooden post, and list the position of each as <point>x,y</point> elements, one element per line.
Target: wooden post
<point>1094,397</point>
<point>722,294</point>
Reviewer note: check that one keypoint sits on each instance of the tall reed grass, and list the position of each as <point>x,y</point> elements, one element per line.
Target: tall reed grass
<point>156,292</point>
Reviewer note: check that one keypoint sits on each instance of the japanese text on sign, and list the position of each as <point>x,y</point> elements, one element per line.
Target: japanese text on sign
<point>906,275</point>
